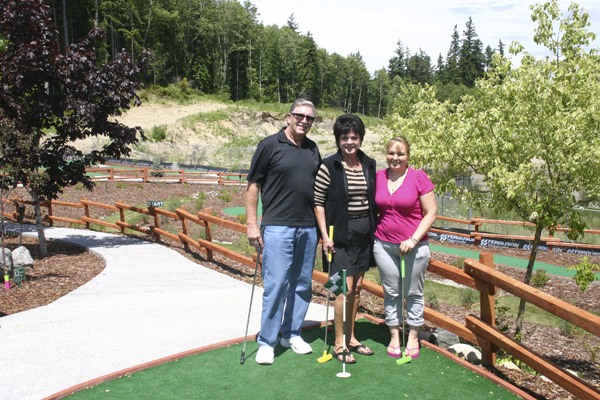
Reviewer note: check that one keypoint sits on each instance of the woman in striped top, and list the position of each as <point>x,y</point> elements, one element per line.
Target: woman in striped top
<point>345,199</point>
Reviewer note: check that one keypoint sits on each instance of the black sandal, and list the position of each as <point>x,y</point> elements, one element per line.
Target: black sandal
<point>361,349</point>
<point>340,356</point>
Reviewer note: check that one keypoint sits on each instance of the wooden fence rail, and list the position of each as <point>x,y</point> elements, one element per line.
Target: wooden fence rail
<point>479,275</point>
<point>147,175</point>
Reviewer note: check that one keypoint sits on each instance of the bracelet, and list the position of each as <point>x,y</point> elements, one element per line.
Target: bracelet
<point>415,241</point>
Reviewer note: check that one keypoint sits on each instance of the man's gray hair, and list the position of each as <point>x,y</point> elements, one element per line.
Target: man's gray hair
<point>302,102</point>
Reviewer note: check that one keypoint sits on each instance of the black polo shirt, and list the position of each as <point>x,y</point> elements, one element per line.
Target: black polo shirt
<point>286,174</point>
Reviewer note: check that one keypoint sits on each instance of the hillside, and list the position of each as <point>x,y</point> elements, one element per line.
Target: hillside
<point>218,134</point>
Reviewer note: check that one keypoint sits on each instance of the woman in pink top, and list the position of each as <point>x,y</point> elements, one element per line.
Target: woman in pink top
<point>407,208</point>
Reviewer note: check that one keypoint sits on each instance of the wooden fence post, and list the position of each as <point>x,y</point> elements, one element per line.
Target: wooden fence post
<point>184,228</point>
<point>122,218</point>
<point>49,206</point>
<point>86,211</point>
<point>208,235</point>
<point>153,212</point>
<point>487,306</point>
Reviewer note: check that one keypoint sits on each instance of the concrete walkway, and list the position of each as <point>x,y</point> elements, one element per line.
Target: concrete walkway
<point>149,302</point>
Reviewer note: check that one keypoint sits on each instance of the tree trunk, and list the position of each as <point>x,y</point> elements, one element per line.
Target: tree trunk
<point>380,101</point>
<point>96,14</point>
<point>532,256</point>
<point>39,224</point>
<point>65,26</point>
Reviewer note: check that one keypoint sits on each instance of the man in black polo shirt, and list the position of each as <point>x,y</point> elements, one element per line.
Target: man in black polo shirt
<point>283,170</point>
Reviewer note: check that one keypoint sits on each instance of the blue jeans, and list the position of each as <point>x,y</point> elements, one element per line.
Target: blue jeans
<point>288,260</point>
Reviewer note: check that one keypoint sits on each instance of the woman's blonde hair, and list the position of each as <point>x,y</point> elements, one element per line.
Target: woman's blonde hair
<point>396,140</point>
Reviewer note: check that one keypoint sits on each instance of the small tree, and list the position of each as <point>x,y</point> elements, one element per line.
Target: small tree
<point>584,273</point>
<point>530,132</point>
<point>55,98</point>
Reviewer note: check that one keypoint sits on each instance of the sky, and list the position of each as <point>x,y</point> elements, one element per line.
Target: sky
<point>374,27</point>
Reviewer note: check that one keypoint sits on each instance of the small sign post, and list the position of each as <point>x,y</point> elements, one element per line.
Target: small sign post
<point>19,275</point>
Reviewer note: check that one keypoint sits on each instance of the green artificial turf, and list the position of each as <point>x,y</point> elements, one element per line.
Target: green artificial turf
<point>218,374</point>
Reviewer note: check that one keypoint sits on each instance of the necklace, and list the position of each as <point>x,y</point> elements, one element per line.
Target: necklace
<point>394,182</point>
<point>355,165</point>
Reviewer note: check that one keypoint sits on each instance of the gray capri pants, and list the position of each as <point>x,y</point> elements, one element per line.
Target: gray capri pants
<point>387,257</point>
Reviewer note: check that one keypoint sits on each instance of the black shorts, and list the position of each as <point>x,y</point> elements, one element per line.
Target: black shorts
<point>356,255</point>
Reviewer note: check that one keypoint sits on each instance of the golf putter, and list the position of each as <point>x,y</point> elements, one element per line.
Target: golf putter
<point>405,359</point>
<point>243,356</point>
<point>344,373</point>
<point>326,356</point>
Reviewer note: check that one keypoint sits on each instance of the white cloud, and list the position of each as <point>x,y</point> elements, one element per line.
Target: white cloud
<point>373,28</point>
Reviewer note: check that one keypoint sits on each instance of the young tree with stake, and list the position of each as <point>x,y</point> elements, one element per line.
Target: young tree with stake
<point>55,98</point>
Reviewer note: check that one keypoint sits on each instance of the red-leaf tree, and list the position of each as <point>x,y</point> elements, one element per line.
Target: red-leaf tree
<point>55,97</point>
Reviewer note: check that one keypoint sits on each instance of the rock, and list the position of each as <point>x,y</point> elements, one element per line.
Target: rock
<point>425,336</point>
<point>510,365</point>
<point>445,338</point>
<point>466,352</point>
<point>22,258</point>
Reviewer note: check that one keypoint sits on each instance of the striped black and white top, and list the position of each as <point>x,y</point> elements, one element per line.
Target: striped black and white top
<point>358,201</point>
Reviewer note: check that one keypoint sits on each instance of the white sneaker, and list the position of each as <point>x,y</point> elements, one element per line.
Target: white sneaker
<point>265,355</point>
<point>297,344</point>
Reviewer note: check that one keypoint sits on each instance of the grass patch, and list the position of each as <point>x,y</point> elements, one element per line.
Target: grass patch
<point>212,116</point>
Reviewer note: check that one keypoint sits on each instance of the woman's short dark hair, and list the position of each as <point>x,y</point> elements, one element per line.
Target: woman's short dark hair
<point>347,123</point>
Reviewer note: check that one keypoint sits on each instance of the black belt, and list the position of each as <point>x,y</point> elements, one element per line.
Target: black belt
<point>356,216</point>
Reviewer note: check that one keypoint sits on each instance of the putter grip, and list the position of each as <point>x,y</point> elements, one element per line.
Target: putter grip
<point>329,255</point>
<point>402,267</point>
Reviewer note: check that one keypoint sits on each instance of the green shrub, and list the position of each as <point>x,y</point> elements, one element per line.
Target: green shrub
<point>225,196</point>
<point>540,278</point>
<point>158,133</point>
<point>157,170</point>
<point>502,318</point>
<point>468,297</point>
<point>584,274</point>
<point>567,329</point>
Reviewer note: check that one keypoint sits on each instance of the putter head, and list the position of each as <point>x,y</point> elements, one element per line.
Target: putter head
<point>404,360</point>
<point>324,358</point>
<point>242,359</point>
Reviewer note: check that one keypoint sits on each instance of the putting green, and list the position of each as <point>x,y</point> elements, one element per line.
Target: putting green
<point>235,211</point>
<point>217,374</point>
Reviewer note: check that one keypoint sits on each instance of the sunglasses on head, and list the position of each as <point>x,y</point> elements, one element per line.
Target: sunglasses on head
<point>299,117</point>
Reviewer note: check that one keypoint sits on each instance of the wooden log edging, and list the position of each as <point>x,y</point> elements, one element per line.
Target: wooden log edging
<point>573,384</point>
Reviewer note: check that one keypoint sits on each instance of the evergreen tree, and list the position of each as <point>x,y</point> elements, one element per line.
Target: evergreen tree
<point>292,24</point>
<point>397,64</point>
<point>471,61</point>
<point>452,73</point>
<point>418,68</point>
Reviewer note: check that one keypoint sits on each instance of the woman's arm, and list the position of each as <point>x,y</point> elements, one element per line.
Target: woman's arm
<point>322,225</point>
<point>429,209</point>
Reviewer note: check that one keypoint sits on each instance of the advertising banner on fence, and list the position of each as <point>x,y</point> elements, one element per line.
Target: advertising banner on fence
<point>497,242</point>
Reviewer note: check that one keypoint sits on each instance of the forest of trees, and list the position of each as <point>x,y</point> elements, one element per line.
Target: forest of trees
<point>218,47</point>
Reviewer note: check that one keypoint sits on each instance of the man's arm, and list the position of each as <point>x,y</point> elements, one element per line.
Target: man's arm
<point>253,231</point>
